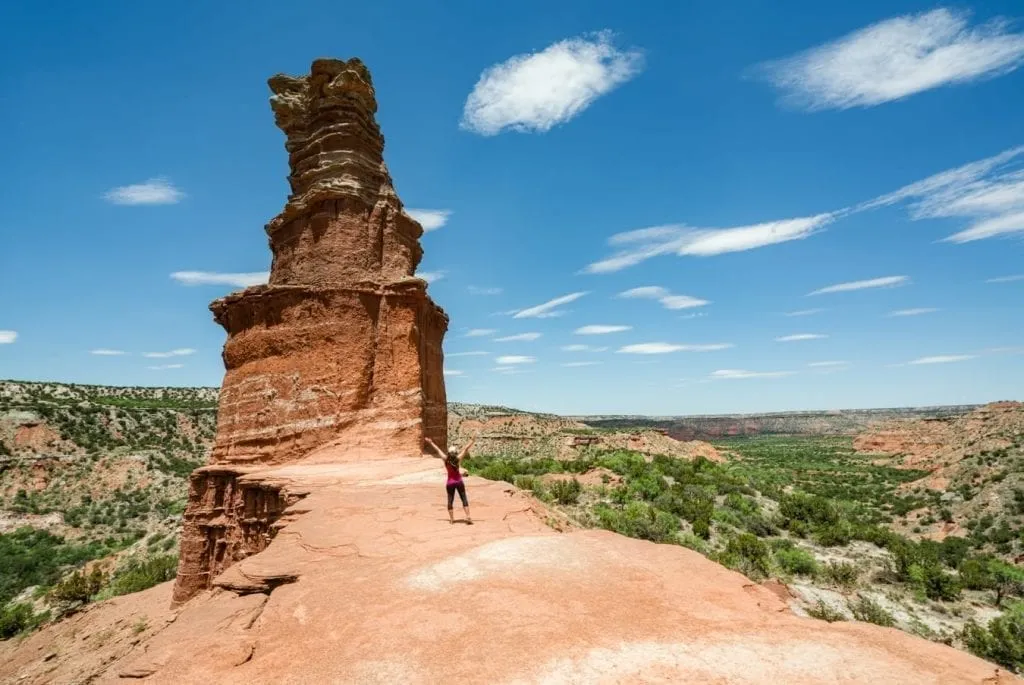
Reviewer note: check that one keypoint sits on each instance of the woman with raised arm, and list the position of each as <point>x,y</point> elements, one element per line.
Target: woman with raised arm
<point>452,464</point>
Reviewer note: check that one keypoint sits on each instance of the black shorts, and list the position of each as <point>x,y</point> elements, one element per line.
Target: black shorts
<point>460,487</point>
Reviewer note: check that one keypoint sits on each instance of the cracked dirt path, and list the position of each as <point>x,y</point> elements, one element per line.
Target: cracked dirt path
<point>371,584</point>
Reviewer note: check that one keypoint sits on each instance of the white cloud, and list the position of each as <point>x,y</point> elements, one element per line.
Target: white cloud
<point>476,290</point>
<point>695,315</point>
<point>452,372</point>
<point>740,373</point>
<point>474,353</point>
<point>887,281</point>
<point>155,191</point>
<point>917,311</point>
<point>667,299</point>
<point>519,337</point>
<point>896,58</point>
<point>180,352</point>
<point>161,367</point>
<point>665,348</point>
<point>1006,279</point>
<point>989,228</point>
<point>534,92</point>
<point>582,348</point>
<point>943,359</point>
<point>480,332</point>
<point>648,291</point>
<point>8,337</point>
<point>431,276</point>
<point>241,280</point>
<point>827,365</point>
<point>681,240</point>
<point>515,359</point>
<point>600,329</point>
<point>430,219</point>
<point>804,312</point>
<point>106,353</point>
<point>800,336</point>
<point>989,192</point>
<point>549,308</point>
<point>572,364</point>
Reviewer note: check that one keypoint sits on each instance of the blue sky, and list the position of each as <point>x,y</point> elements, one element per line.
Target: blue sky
<point>771,151</point>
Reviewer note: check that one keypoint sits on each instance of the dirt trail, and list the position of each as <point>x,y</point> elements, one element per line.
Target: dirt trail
<point>369,583</point>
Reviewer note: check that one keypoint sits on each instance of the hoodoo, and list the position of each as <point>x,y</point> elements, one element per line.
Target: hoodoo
<point>342,347</point>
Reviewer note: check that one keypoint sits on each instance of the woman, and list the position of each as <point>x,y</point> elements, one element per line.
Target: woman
<point>452,464</point>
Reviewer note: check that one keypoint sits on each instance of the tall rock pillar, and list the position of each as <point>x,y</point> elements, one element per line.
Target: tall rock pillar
<point>342,347</point>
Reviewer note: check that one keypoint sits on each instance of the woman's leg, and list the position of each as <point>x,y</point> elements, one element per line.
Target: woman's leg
<point>465,501</point>
<point>451,501</point>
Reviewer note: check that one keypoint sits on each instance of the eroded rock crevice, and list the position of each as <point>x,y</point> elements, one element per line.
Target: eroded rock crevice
<point>227,520</point>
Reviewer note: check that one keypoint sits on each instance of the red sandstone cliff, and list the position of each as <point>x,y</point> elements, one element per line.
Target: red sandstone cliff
<point>343,346</point>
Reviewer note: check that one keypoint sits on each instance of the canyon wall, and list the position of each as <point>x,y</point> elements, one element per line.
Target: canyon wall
<point>341,348</point>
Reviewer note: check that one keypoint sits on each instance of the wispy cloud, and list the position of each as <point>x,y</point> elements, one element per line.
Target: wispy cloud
<point>180,352</point>
<point>1006,279</point>
<point>103,352</point>
<point>534,92</point>
<point>155,191</point>
<point>734,374</point>
<point>473,353</point>
<point>826,365</point>
<point>800,336</point>
<point>452,372</point>
<point>896,58</point>
<point>666,298</point>
<point>476,290</point>
<point>519,337</point>
<point>240,280</point>
<point>480,332</point>
<point>430,219</point>
<point>681,240</point>
<point>666,348</point>
<point>572,364</point>
<point>943,359</point>
<point>918,311</point>
<point>885,282</point>
<point>162,367</point>
<point>8,337</point>
<point>804,312</point>
<point>582,348</point>
<point>515,359</point>
<point>431,276</point>
<point>989,192</point>
<point>600,329</point>
<point>549,308</point>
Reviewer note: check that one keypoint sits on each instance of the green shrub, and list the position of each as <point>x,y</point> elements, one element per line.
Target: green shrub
<point>748,554</point>
<point>138,575</point>
<point>15,619</point>
<point>841,573</point>
<point>566,491</point>
<point>1007,580</point>
<point>1001,641</point>
<point>79,587</point>
<point>639,520</point>
<point>864,609</point>
<point>824,612</point>
<point>797,561</point>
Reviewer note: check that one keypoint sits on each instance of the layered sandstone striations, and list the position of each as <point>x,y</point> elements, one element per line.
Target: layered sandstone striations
<point>342,346</point>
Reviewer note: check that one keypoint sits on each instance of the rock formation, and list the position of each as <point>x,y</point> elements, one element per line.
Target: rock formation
<point>342,347</point>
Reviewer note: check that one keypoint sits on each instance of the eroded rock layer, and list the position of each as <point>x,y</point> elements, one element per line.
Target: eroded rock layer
<point>343,346</point>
